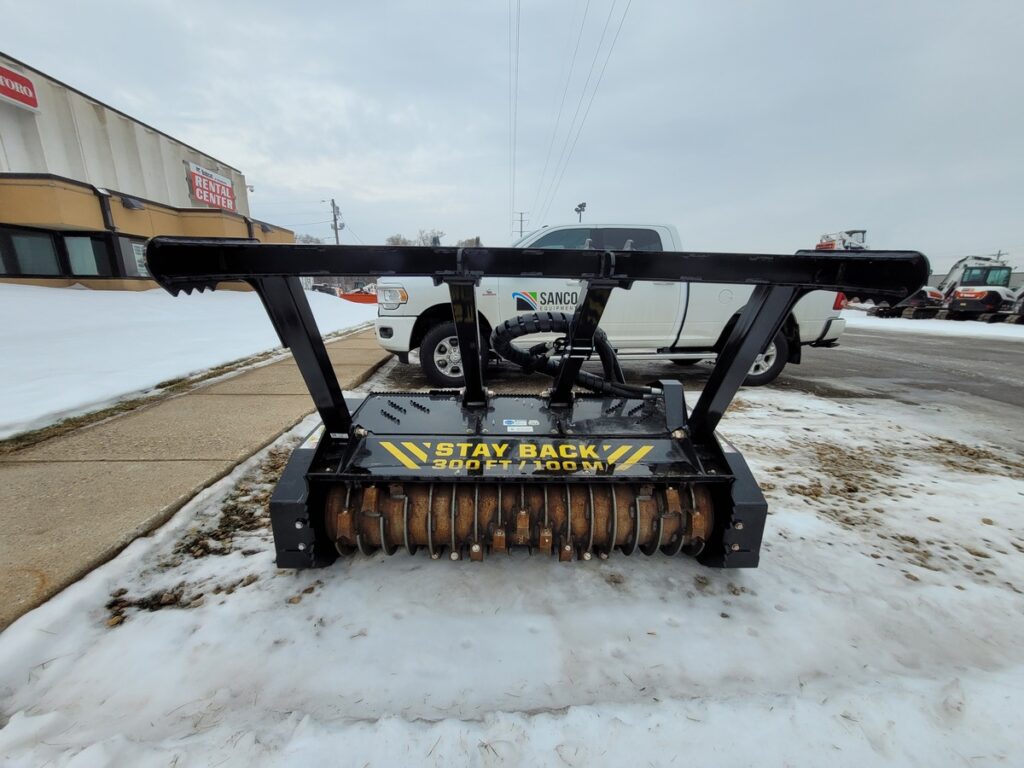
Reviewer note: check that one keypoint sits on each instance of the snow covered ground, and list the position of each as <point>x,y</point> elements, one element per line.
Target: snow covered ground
<point>65,351</point>
<point>856,319</point>
<point>883,626</point>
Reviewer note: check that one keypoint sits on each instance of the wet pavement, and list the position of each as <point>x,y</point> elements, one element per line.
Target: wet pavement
<point>982,375</point>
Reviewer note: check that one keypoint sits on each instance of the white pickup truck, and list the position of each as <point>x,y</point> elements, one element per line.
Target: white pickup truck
<point>682,322</point>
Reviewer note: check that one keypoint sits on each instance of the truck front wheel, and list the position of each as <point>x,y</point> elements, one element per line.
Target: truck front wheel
<point>769,364</point>
<point>441,356</point>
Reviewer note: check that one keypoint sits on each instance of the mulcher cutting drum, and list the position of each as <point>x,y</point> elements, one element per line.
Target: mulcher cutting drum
<point>469,473</point>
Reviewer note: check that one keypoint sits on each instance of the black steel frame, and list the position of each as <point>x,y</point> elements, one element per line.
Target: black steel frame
<point>185,264</point>
<point>779,282</point>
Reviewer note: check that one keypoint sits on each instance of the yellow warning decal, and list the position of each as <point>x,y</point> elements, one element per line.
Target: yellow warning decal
<point>397,453</point>
<point>518,456</point>
<point>618,453</point>
<point>415,450</point>
<point>635,457</point>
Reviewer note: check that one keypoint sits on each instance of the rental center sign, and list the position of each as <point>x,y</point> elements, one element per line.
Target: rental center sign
<point>18,89</point>
<point>211,188</point>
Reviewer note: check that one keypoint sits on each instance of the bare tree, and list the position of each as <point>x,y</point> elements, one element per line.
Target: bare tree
<point>309,240</point>
<point>429,237</point>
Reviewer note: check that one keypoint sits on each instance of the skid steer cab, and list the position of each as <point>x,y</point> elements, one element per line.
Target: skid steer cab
<point>591,466</point>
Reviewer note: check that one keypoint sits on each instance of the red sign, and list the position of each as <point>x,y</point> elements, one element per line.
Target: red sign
<point>18,89</point>
<point>211,188</point>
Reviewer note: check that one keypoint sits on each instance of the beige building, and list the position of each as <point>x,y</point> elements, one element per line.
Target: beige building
<point>83,185</point>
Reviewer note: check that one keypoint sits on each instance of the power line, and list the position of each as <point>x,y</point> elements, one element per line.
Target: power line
<point>306,224</point>
<point>591,102</point>
<point>561,106</point>
<point>579,104</point>
<point>515,104</point>
<point>511,205</point>
<point>514,100</point>
<point>309,212</point>
<point>288,204</point>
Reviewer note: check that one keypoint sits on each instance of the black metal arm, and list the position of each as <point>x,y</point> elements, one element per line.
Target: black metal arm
<point>759,321</point>
<point>289,311</point>
<point>467,328</point>
<point>186,264</point>
<point>180,264</point>
<point>579,341</point>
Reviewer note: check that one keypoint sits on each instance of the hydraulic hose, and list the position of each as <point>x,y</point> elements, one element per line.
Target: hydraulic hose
<point>538,359</point>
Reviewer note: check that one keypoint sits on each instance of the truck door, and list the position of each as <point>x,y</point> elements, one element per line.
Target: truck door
<point>544,294</point>
<point>711,306</point>
<point>644,317</point>
<point>647,316</point>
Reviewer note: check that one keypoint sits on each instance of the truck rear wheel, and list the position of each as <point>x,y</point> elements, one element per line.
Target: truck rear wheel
<point>769,364</point>
<point>441,356</point>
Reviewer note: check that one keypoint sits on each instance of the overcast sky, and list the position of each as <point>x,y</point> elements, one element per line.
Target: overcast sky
<point>750,126</point>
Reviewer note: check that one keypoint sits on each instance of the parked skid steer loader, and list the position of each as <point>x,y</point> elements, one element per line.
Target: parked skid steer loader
<point>465,473</point>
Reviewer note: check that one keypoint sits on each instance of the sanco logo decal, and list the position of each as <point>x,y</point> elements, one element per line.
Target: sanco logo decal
<point>525,300</point>
<point>551,301</point>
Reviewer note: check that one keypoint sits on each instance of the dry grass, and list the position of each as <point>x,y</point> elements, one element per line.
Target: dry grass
<point>854,488</point>
<point>244,512</point>
<point>969,458</point>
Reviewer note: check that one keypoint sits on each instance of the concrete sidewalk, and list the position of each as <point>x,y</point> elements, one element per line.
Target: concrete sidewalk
<point>74,501</point>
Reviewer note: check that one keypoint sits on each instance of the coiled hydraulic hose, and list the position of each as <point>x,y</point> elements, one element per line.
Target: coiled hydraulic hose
<point>540,358</point>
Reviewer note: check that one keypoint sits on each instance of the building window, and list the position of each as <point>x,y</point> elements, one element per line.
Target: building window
<point>35,254</point>
<point>88,256</point>
<point>131,257</point>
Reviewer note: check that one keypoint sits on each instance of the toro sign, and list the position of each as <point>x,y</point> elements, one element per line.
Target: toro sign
<point>17,89</point>
<point>211,188</point>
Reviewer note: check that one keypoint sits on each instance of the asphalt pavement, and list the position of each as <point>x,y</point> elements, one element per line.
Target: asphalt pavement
<point>981,376</point>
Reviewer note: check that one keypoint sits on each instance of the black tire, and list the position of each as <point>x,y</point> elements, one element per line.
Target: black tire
<point>760,374</point>
<point>440,356</point>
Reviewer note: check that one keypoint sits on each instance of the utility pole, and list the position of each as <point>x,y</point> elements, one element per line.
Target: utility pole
<point>580,209</point>
<point>520,214</point>
<point>336,225</point>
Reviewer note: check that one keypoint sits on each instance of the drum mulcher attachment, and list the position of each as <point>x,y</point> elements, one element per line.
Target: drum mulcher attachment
<point>467,472</point>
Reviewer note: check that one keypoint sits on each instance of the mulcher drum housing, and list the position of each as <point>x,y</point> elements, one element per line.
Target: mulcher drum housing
<point>468,473</point>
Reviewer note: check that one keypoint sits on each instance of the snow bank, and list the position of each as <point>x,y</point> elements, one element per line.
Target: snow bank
<point>859,320</point>
<point>883,627</point>
<point>67,350</point>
